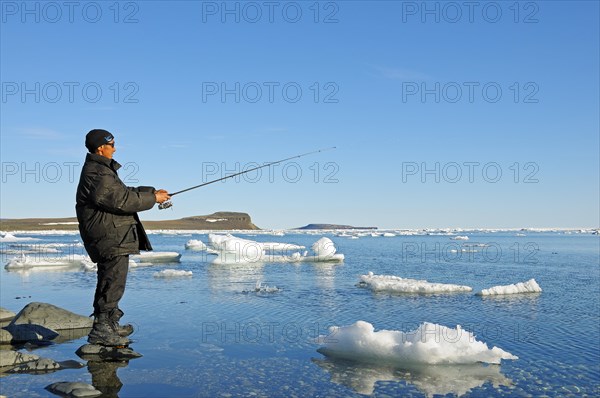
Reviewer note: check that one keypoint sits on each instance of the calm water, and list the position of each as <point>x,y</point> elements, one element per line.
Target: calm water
<point>209,336</point>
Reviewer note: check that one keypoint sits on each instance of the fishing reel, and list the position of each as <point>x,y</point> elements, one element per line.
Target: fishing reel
<point>165,205</point>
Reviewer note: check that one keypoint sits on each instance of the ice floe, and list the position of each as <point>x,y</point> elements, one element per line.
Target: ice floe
<point>172,273</point>
<point>460,237</point>
<point>26,262</point>
<point>234,250</point>
<point>229,242</point>
<point>156,257</point>
<point>195,244</point>
<point>529,286</point>
<point>7,237</point>
<point>429,344</point>
<point>396,284</point>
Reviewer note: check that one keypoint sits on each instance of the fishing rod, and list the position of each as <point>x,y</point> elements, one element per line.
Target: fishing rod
<point>167,204</point>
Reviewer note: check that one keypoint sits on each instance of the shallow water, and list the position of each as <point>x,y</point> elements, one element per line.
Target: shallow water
<point>212,335</point>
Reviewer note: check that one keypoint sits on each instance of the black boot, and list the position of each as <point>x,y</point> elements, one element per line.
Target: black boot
<point>104,334</point>
<point>122,330</point>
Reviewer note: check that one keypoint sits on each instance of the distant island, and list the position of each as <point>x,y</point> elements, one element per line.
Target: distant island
<point>222,220</point>
<point>332,226</point>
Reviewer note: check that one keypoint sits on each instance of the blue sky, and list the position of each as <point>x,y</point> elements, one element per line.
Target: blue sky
<point>443,116</point>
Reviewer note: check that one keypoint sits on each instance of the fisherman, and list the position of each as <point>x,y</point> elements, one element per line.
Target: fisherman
<point>111,230</point>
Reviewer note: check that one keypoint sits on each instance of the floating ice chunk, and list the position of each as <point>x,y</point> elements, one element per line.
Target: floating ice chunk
<point>324,247</point>
<point>396,284</point>
<point>530,286</point>
<point>157,257</point>
<point>429,344</point>
<point>194,244</point>
<point>7,237</point>
<point>389,235</point>
<point>22,262</point>
<point>460,237</point>
<point>232,250</point>
<point>232,243</point>
<point>172,273</point>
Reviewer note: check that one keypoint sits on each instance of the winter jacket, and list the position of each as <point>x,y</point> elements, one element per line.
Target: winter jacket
<point>107,211</point>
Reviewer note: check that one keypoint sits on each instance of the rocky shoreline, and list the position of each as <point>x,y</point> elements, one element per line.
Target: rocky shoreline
<point>41,324</point>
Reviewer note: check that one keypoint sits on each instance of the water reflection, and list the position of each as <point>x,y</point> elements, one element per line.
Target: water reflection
<point>104,377</point>
<point>431,380</point>
<point>233,277</point>
<point>103,367</point>
<point>325,275</point>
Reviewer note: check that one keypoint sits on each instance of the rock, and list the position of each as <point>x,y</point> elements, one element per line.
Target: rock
<point>27,332</point>
<point>13,358</point>
<point>93,352</point>
<point>6,315</point>
<point>44,365</point>
<point>73,389</point>
<point>41,365</point>
<point>5,336</point>
<point>51,317</point>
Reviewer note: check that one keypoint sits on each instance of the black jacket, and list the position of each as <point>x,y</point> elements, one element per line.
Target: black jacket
<point>106,211</point>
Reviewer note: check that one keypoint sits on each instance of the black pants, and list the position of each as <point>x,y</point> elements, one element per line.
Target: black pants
<point>112,276</point>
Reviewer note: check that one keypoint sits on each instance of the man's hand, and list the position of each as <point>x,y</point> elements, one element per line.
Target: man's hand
<point>161,196</point>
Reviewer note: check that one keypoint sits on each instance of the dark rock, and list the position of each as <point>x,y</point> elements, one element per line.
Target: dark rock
<point>25,333</point>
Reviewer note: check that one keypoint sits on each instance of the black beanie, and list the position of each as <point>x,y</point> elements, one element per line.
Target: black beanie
<point>96,138</point>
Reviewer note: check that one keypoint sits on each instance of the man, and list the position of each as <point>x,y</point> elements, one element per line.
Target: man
<point>111,230</point>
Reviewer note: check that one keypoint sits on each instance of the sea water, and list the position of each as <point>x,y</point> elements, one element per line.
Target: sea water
<point>251,329</point>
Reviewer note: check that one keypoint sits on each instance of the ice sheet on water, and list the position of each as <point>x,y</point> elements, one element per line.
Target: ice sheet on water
<point>195,244</point>
<point>157,257</point>
<point>172,273</point>
<point>24,261</point>
<point>396,284</point>
<point>7,237</point>
<point>430,344</point>
<point>232,243</point>
<point>530,286</point>
<point>233,250</point>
